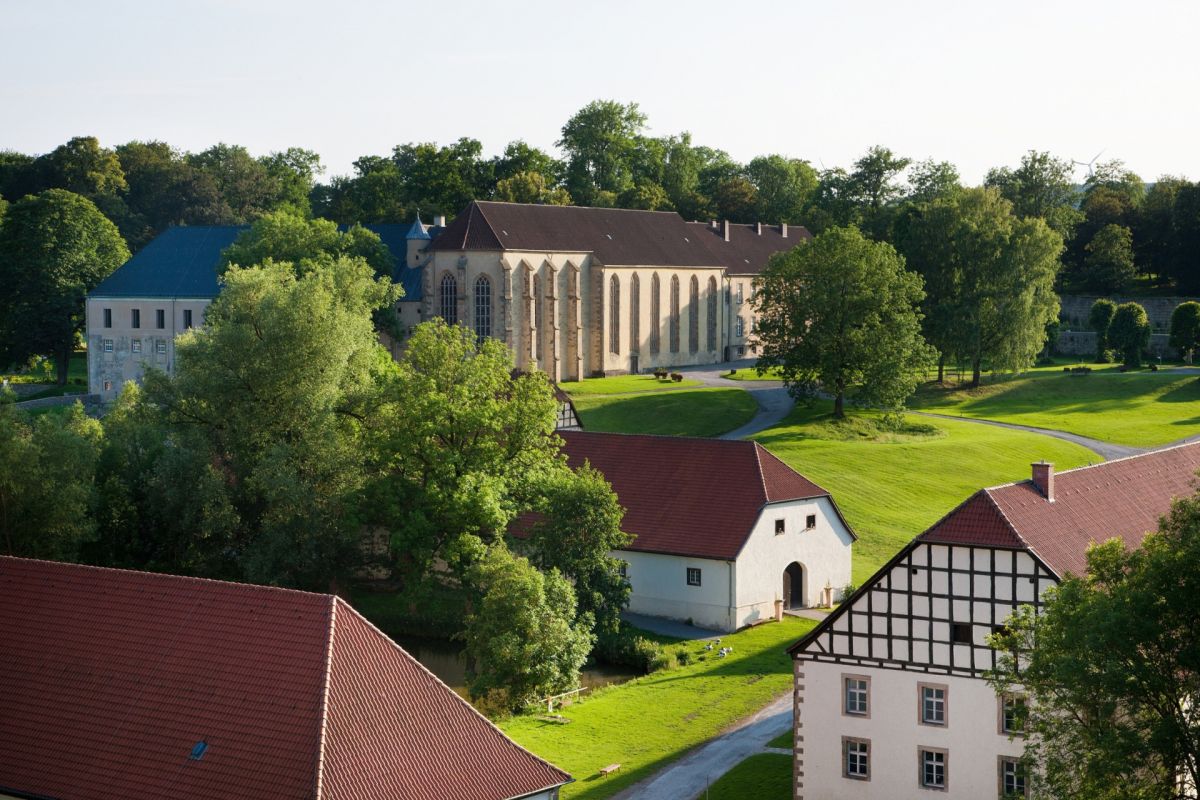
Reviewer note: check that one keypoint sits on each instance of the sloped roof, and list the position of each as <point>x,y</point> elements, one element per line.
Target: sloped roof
<point>686,496</point>
<point>395,238</point>
<point>110,678</point>
<point>179,262</point>
<point>617,236</point>
<point>1123,498</point>
<point>749,246</point>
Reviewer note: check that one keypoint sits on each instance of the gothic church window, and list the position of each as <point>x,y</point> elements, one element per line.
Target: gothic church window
<point>712,314</point>
<point>483,308</point>
<point>674,314</point>
<point>614,315</point>
<point>634,311</point>
<point>655,315</point>
<point>449,299</point>
<point>694,316</point>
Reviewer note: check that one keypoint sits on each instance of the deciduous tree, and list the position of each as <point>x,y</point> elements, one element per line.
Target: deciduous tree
<point>1185,328</point>
<point>1129,333</point>
<point>1100,319</point>
<point>599,141</point>
<point>1109,261</point>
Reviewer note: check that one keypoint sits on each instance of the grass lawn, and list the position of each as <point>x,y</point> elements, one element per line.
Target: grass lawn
<point>1141,409</point>
<point>893,485</point>
<point>646,723</point>
<point>783,740</point>
<point>690,412</point>
<point>766,776</point>
<point>623,384</point>
<point>751,374</point>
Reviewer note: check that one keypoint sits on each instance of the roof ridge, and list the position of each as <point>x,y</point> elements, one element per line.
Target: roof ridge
<point>1006,519</point>
<point>164,575</point>
<point>387,639</point>
<point>1104,463</point>
<point>721,442</point>
<point>328,677</point>
<point>762,478</point>
<point>759,446</point>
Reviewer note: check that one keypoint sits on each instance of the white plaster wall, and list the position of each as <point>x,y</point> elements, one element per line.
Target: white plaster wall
<point>971,736</point>
<point>122,364</point>
<point>660,588</point>
<point>824,552</point>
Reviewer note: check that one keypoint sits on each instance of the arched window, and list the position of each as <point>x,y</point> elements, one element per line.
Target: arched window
<point>655,315</point>
<point>537,316</point>
<point>483,307</point>
<point>614,315</point>
<point>712,314</point>
<point>449,298</point>
<point>635,339</point>
<point>694,316</point>
<point>674,313</point>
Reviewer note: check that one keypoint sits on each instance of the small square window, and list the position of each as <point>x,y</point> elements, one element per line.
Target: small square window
<point>779,526</point>
<point>108,317</point>
<point>623,570</point>
<point>932,709</point>
<point>135,318</point>
<point>856,695</point>
<point>108,345</point>
<point>135,346</point>
<point>160,347</point>
<point>810,522</point>
<point>856,758</point>
<point>693,576</point>
<point>960,633</point>
<point>187,318</point>
<point>933,768</point>
<point>108,386</point>
<point>160,318</point>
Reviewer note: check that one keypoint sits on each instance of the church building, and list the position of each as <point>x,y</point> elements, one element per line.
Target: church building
<point>891,700</point>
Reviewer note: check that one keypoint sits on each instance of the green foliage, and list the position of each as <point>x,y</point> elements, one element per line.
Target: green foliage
<point>1043,187</point>
<point>1129,333</point>
<point>523,639</point>
<point>784,186</point>
<point>165,190</point>
<point>839,315</point>
<point>1185,328</point>
<point>625,646</point>
<point>47,468</point>
<point>1115,671</point>
<point>599,141</point>
<point>54,248</point>
<point>1109,259</point>
<point>247,185</point>
<point>531,187</point>
<point>1100,319</point>
<point>288,236</point>
<point>931,180</point>
<point>579,525</point>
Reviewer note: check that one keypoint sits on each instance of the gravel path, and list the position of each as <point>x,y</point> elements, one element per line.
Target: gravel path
<point>688,777</point>
<point>1106,450</point>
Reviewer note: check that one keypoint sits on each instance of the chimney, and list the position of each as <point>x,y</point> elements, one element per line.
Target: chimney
<point>439,221</point>
<point>783,229</point>
<point>714,225</point>
<point>727,230</point>
<point>1043,479</point>
<point>758,228</point>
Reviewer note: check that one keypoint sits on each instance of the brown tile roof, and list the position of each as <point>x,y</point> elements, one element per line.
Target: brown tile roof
<point>749,246</point>
<point>110,678</point>
<point>685,496</point>
<point>1122,498</point>
<point>617,236</point>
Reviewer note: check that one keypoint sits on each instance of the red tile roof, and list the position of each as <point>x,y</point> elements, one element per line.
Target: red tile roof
<point>110,678</point>
<point>617,236</point>
<point>685,496</point>
<point>1122,498</point>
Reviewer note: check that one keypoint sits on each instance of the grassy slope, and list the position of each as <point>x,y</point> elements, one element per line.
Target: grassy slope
<point>783,740</point>
<point>1141,409</point>
<point>766,776</point>
<point>892,489</point>
<point>690,412</point>
<point>645,724</point>
<point>623,384</point>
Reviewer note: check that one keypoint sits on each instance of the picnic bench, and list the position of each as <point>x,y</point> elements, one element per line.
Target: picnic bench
<point>611,768</point>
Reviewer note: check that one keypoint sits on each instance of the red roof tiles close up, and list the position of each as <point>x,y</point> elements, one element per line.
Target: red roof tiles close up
<point>110,679</point>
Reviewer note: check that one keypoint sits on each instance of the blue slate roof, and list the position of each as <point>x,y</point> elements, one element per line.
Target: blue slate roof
<point>395,237</point>
<point>416,230</point>
<point>179,262</point>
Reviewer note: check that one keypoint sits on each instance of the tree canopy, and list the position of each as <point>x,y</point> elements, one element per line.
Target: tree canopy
<point>1129,333</point>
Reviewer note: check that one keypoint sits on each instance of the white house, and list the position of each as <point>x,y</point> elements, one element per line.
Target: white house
<point>723,528</point>
<point>890,696</point>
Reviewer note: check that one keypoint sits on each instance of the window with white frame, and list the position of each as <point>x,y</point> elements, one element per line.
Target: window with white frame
<point>108,346</point>
<point>448,307</point>
<point>856,695</point>
<point>856,758</point>
<point>740,295</point>
<point>1014,779</point>
<point>693,576</point>
<point>933,768</point>
<point>741,326</point>
<point>933,703</point>
<point>160,347</point>
<point>135,346</point>
<point>483,308</point>
<point>1012,713</point>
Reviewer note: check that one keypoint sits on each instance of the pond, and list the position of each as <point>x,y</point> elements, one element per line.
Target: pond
<point>446,660</point>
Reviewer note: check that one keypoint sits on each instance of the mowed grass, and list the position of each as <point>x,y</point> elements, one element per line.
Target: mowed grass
<point>645,724</point>
<point>751,374</point>
<point>1141,409</point>
<point>623,384</point>
<point>766,776</point>
<point>783,740</point>
<point>891,487</point>
<point>688,412</point>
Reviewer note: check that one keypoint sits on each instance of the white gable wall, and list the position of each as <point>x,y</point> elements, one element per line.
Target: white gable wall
<point>660,588</point>
<point>823,552</point>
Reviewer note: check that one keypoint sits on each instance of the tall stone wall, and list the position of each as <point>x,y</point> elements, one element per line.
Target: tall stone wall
<point>1083,344</point>
<point>1076,307</point>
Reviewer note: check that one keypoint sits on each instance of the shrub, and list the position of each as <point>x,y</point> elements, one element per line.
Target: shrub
<point>677,376</point>
<point>683,656</point>
<point>848,590</point>
<point>625,648</point>
<point>1100,320</point>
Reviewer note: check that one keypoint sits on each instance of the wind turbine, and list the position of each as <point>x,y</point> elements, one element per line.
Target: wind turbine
<point>1088,164</point>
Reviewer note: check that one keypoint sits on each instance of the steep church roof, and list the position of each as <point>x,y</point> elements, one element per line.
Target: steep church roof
<point>686,496</point>
<point>131,685</point>
<point>179,262</point>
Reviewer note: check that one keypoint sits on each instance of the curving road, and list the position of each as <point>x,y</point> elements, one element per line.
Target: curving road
<point>774,402</point>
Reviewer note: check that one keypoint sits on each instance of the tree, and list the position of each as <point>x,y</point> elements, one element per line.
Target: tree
<point>1100,320</point>
<point>839,315</point>
<point>873,185</point>
<point>295,171</point>
<point>47,466</point>
<point>84,167</point>
<point>165,190</point>
<point>54,248</point>
<point>646,196</point>
<point>247,186</point>
<point>1153,231</point>
<point>580,526</point>
<point>784,185</point>
<point>931,180</point>
<point>736,200</point>
<point>523,639</point>
<point>599,141</point>
<point>1129,333</point>
<point>519,157</point>
<point>1109,259</point>
<point>530,187</point>
<point>442,179</point>
<point>1112,669</point>
<point>288,236</point>
<point>1185,328</point>
<point>1185,229</point>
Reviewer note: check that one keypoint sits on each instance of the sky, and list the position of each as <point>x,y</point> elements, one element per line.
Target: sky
<point>973,83</point>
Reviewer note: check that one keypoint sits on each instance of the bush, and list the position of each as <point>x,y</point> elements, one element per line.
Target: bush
<point>677,376</point>
<point>848,590</point>
<point>626,648</point>
<point>683,656</point>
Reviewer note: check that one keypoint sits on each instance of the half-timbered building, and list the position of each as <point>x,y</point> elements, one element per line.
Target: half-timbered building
<point>890,694</point>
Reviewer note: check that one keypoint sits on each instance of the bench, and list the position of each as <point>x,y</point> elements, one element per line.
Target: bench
<point>611,768</point>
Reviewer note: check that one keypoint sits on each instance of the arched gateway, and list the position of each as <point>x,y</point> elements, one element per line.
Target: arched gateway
<point>793,586</point>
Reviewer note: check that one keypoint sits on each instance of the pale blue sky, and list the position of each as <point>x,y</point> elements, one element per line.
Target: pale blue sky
<point>970,82</point>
